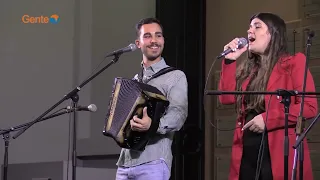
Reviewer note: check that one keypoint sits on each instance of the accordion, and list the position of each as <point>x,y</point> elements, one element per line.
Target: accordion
<point>128,99</point>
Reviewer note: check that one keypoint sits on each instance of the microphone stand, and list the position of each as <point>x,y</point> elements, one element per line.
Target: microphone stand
<point>298,153</point>
<point>286,100</point>
<point>75,99</point>
<point>6,137</point>
<point>73,95</point>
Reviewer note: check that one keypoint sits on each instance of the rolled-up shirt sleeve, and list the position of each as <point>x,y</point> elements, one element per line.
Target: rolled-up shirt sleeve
<point>177,111</point>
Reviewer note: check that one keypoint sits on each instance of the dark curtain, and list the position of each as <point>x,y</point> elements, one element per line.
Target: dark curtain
<point>184,31</point>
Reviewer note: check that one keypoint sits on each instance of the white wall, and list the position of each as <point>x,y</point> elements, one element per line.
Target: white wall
<point>36,69</point>
<point>113,27</point>
<point>40,63</point>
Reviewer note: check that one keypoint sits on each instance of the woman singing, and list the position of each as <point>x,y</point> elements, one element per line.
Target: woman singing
<point>268,67</point>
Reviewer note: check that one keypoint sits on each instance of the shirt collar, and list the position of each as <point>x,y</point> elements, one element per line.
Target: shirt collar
<point>156,66</point>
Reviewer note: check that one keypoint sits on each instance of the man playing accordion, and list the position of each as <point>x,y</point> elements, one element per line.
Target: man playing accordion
<point>155,161</point>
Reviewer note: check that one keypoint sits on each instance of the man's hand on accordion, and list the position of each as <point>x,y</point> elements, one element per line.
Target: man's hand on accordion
<point>143,124</point>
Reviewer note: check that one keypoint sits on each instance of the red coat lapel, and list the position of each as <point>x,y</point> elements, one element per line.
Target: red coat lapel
<point>280,69</point>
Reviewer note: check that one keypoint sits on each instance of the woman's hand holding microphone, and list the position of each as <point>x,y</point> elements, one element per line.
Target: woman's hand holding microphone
<point>236,51</point>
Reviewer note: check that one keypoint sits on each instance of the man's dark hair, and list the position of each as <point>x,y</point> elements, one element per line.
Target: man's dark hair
<point>146,21</point>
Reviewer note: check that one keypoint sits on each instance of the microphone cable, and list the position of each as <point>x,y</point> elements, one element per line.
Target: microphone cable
<point>262,144</point>
<point>205,88</point>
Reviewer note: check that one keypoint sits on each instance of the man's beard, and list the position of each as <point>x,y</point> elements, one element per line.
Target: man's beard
<point>152,58</point>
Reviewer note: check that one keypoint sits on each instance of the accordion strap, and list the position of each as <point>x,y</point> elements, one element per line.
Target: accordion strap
<point>161,72</point>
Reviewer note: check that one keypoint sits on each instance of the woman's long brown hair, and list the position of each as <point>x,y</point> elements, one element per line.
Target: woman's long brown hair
<point>263,64</point>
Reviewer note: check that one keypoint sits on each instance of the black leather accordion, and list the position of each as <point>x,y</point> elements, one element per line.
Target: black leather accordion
<point>128,98</point>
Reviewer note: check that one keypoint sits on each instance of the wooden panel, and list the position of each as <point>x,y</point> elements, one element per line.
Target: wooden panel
<point>315,157</point>
<point>311,9</point>
<point>315,71</point>
<point>316,174</point>
<point>315,164</point>
<point>315,46</point>
<point>294,33</point>
<point>314,133</point>
<point>222,164</point>
<point>225,134</point>
<point>225,118</point>
<point>218,104</point>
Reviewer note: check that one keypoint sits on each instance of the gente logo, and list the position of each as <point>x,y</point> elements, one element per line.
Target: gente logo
<point>53,19</point>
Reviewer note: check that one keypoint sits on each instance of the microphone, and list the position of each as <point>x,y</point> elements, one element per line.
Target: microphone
<point>241,43</point>
<point>131,47</point>
<point>91,108</point>
<point>311,34</point>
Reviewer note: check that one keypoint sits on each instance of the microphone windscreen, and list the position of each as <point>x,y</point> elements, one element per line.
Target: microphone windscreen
<point>92,108</point>
<point>242,42</point>
<point>133,47</point>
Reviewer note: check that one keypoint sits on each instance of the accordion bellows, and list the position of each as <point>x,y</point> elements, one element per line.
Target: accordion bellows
<point>128,98</point>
